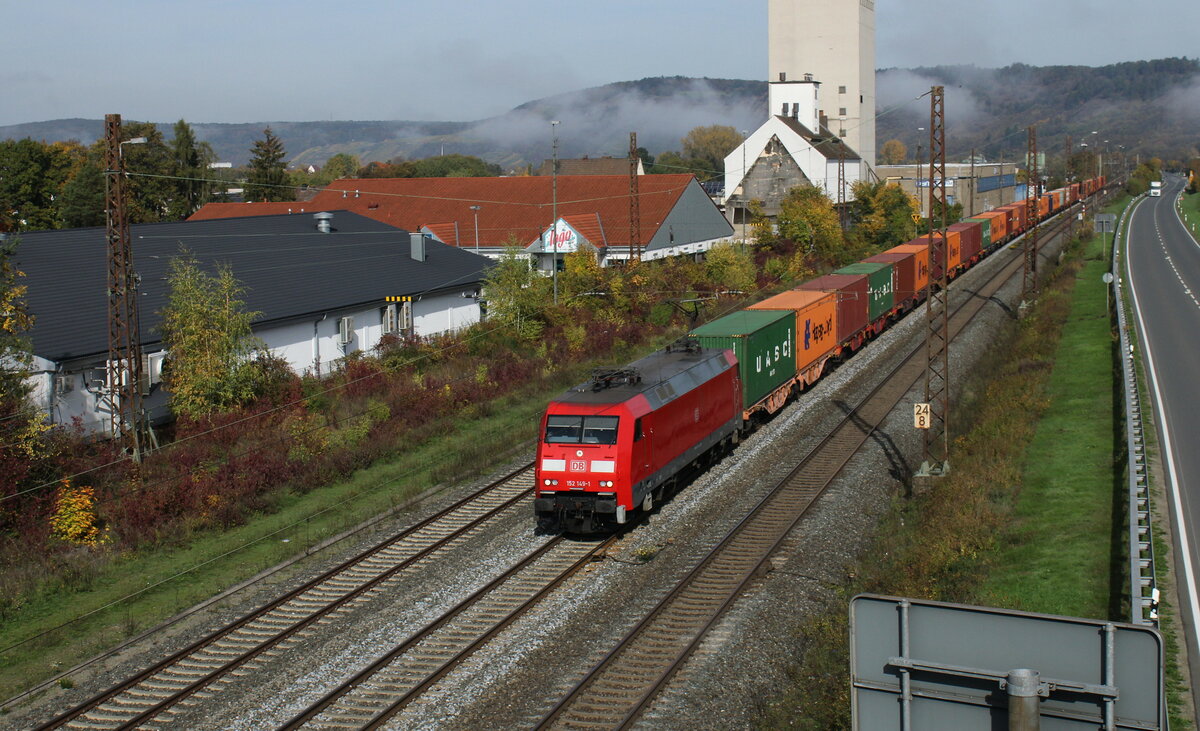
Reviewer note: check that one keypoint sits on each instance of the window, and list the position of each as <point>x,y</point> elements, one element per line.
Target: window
<point>388,318</point>
<point>841,90</point>
<point>581,429</point>
<point>637,431</point>
<point>841,111</point>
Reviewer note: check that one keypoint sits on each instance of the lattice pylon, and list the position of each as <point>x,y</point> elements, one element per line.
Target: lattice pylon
<point>1029,283</point>
<point>124,337</point>
<point>937,332</point>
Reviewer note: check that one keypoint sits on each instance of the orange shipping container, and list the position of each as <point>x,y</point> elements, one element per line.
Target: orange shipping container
<point>999,221</point>
<point>922,269</point>
<point>954,249</point>
<point>816,324</point>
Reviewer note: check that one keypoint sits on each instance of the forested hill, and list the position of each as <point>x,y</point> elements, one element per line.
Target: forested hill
<point>1148,106</point>
<point>1151,107</point>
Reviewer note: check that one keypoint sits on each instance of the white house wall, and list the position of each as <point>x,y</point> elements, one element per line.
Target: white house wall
<point>301,344</point>
<point>812,163</point>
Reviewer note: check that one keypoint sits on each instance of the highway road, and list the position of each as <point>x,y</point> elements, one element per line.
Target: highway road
<point>1163,271</point>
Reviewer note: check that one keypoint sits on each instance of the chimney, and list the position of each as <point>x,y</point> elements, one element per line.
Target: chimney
<point>783,76</point>
<point>416,242</point>
<point>324,222</point>
<point>795,110</point>
<point>808,77</point>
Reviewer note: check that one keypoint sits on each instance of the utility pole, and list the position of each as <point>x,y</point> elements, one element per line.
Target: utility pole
<point>1029,285</point>
<point>973,186</point>
<point>1067,182</point>
<point>843,219</point>
<point>635,213</point>
<point>554,209</point>
<point>124,337</point>
<point>937,301</point>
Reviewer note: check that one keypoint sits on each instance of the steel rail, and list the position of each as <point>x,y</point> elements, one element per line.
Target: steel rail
<point>315,584</point>
<point>578,555</point>
<point>686,617</point>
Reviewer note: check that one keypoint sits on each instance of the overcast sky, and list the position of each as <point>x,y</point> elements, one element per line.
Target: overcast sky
<point>300,60</point>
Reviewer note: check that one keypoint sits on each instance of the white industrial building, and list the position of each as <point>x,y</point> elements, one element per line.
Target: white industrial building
<point>322,291</point>
<point>821,105</point>
<point>834,42</point>
<point>791,148</point>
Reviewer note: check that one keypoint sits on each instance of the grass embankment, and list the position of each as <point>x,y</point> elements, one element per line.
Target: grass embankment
<point>1030,516</point>
<point>1190,205</point>
<point>140,590</point>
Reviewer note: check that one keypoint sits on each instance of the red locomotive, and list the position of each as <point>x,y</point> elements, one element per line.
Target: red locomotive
<point>613,445</point>
<point>616,445</point>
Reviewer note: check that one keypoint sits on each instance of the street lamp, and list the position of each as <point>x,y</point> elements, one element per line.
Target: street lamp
<point>1095,152</point>
<point>476,210</point>
<point>554,208</point>
<point>917,186</point>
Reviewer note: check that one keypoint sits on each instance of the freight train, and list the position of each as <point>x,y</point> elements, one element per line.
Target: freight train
<point>616,445</point>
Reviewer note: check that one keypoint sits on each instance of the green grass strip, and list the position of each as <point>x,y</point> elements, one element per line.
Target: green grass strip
<point>1063,553</point>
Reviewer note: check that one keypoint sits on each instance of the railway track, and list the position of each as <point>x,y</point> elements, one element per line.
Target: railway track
<point>391,683</point>
<point>622,686</point>
<point>158,693</point>
<point>615,693</point>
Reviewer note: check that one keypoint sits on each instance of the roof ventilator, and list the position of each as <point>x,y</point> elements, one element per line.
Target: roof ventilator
<point>324,222</point>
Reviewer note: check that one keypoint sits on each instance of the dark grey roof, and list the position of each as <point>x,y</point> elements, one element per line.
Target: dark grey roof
<point>288,268</point>
<point>826,143</point>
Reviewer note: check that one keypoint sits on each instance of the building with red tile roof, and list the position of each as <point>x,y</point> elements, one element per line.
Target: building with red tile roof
<point>675,216</point>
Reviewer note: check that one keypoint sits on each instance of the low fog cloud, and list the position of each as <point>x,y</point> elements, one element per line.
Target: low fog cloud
<point>904,93</point>
<point>599,121</point>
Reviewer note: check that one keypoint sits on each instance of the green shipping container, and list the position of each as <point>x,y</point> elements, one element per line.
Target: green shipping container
<point>881,286</point>
<point>764,343</point>
<point>986,226</point>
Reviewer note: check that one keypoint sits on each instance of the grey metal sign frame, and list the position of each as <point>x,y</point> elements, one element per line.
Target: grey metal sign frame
<point>918,664</point>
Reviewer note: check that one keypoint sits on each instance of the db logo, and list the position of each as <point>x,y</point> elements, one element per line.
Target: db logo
<point>578,465</point>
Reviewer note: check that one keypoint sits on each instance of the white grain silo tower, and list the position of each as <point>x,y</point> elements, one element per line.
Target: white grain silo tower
<point>834,40</point>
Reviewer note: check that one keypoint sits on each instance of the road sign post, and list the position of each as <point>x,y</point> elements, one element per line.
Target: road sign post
<point>919,664</point>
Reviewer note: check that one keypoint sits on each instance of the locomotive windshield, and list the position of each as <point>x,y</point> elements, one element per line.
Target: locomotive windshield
<point>581,429</point>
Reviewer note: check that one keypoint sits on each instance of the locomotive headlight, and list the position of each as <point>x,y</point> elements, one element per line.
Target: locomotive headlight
<point>553,482</point>
<point>546,483</point>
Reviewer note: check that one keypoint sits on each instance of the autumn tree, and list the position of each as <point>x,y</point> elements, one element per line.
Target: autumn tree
<point>268,175</point>
<point>32,175</point>
<point>517,295</point>
<point>711,144</point>
<point>21,423</point>
<point>730,268</point>
<point>214,362</point>
<point>454,166</point>
<point>806,216</point>
<point>341,165</point>
<point>82,201</point>
<point>882,216</point>
<point>893,152</point>
<point>149,167</point>
<point>703,153</point>
<point>189,165</point>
